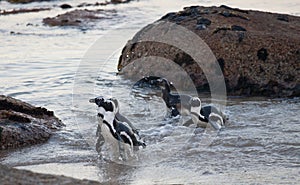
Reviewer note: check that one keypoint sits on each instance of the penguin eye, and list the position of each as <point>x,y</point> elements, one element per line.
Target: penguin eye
<point>99,101</point>
<point>110,106</point>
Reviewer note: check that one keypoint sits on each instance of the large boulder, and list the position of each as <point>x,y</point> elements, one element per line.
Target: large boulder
<point>258,52</point>
<point>22,124</point>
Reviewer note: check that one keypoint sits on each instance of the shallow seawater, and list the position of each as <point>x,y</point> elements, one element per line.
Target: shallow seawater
<point>62,68</point>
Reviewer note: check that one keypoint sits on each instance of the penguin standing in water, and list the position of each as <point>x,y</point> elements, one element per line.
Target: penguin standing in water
<point>118,126</point>
<point>186,104</point>
<point>206,115</point>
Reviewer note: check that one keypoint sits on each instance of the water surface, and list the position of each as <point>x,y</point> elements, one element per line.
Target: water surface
<point>51,67</point>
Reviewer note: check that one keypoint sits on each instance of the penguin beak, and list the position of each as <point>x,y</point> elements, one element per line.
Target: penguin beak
<point>92,100</point>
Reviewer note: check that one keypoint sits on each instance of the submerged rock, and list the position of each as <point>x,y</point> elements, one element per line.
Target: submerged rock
<point>22,10</point>
<point>26,1</point>
<point>119,1</point>
<point>15,176</point>
<point>79,17</point>
<point>259,51</point>
<point>65,6</point>
<point>85,4</point>
<point>22,124</point>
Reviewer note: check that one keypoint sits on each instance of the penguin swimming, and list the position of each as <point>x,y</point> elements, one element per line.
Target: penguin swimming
<point>178,104</point>
<point>186,104</point>
<point>148,81</point>
<point>118,126</point>
<point>206,115</point>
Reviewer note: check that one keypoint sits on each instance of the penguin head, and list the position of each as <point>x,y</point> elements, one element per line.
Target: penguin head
<point>108,104</point>
<point>195,103</point>
<point>116,104</point>
<point>164,84</point>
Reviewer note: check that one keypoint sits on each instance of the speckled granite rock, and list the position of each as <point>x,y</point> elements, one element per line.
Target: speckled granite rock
<point>22,124</point>
<point>11,176</point>
<point>258,52</point>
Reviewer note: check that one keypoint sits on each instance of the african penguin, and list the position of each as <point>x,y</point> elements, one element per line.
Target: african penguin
<point>186,104</point>
<point>208,114</point>
<point>118,125</point>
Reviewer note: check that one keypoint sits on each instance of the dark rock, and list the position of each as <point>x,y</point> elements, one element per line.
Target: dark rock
<point>11,176</point>
<point>207,173</point>
<point>237,28</point>
<point>170,15</point>
<point>221,63</point>
<point>206,11</point>
<point>282,17</point>
<point>25,1</point>
<point>217,30</point>
<point>241,36</point>
<point>260,53</point>
<point>184,13</point>
<point>11,116</point>
<point>244,85</point>
<point>22,124</point>
<point>119,1</point>
<point>14,33</point>
<point>194,10</point>
<point>190,11</point>
<point>234,9</point>
<point>192,7</point>
<point>289,78</point>
<point>79,17</point>
<point>226,14</point>
<point>65,6</point>
<point>233,14</point>
<point>180,18</point>
<point>204,21</point>
<point>103,3</point>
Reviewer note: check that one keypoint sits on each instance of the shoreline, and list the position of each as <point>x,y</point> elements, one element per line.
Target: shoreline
<point>10,175</point>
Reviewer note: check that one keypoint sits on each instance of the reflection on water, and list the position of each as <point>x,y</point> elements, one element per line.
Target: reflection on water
<point>259,144</point>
